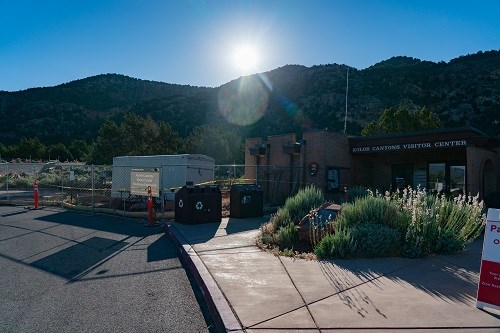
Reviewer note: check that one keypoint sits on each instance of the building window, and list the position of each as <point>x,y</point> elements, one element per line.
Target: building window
<point>437,180</point>
<point>457,179</point>
<point>447,177</point>
<point>332,179</point>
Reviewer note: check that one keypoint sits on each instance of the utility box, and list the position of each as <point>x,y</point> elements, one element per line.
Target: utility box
<point>246,200</point>
<point>198,204</point>
<point>174,172</point>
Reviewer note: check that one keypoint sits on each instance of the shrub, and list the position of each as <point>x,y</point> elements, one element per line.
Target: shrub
<point>419,239</point>
<point>266,239</point>
<point>466,217</point>
<point>21,183</point>
<point>281,230</point>
<point>361,241</point>
<point>449,242</point>
<point>298,206</point>
<point>281,218</point>
<point>410,222</point>
<point>267,233</point>
<point>375,240</point>
<point>338,245</point>
<point>371,209</point>
<point>287,236</point>
<point>439,224</point>
<point>287,253</point>
<point>356,192</point>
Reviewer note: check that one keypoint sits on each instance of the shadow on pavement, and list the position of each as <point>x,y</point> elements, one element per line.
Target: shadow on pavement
<point>76,259</point>
<point>98,222</point>
<point>235,225</point>
<point>451,278</point>
<point>71,262</point>
<point>14,213</point>
<point>201,233</point>
<point>161,249</point>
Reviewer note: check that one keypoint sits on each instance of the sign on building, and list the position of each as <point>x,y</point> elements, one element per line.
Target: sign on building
<point>488,291</point>
<point>140,179</point>
<point>410,146</point>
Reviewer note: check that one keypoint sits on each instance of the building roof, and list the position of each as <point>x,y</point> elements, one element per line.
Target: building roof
<point>460,137</point>
<point>455,130</point>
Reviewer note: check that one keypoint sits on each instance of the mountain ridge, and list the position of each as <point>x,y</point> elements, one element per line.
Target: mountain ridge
<point>461,91</point>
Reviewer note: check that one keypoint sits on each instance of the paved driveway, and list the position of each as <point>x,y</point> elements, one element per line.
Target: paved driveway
<point>64,271</point>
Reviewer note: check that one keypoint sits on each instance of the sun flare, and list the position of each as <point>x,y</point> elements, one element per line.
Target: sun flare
<point>245,59</point>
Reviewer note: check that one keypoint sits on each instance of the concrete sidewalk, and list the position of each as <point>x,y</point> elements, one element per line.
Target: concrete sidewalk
<point>255,291</point>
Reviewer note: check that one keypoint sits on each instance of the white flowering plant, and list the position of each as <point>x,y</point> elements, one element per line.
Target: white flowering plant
<point>426,223</point>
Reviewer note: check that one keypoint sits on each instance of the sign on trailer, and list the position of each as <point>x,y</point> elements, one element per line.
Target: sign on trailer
<point>140,179</point>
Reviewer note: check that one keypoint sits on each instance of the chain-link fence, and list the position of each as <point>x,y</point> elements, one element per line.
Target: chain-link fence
<point>107,187</point>
<point>71,183</point>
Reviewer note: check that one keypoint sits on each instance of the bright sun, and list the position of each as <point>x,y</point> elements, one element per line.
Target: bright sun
<point>245,59</point>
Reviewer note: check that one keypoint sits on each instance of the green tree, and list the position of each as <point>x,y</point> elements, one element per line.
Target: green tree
<point>139,135</point>
<point>217,141</point>
<point>30,148</point>
<point>135,136</point>
<point>79,149</point>
<point>3,151</point>
<point>400,120</point>
<point>168,142</point>
<point>427,119</point>
<point>8,151</point>
<point>108,144</point>
<point>59,151</point>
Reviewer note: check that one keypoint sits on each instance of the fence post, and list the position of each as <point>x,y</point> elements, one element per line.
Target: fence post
<point>7,182</point>
<point>162,195</point>
<point>122,194</point>
<point>234,175</point>
<point>93,201</point>
<point>256,174</point>
<point>62,179</point>
<point>35,193</point>
<point>150,206</point>
<point>35,183</point>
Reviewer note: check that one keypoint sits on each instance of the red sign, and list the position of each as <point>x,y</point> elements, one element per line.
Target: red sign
<point>488,291</point>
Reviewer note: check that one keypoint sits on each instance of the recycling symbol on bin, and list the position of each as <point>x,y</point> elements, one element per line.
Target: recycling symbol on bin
<point>246,200</point>
<point>181,203</point>
<point>199,205</point>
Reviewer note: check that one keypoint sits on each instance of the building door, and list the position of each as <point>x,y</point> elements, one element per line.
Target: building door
<point>402,176</point>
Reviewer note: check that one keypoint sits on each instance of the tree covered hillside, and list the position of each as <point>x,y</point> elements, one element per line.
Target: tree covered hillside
<point>292,98</point>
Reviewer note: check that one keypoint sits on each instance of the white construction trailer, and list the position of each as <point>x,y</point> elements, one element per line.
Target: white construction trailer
<point>174,172</point>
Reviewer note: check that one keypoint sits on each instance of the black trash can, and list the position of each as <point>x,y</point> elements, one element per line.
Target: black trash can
<point>247,200</point>
<point>198,204</point>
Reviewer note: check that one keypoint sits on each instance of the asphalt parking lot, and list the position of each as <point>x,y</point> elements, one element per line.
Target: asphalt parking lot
<point>65,271</point>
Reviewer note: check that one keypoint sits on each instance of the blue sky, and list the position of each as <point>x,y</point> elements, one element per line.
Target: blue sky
<point>49,42</point>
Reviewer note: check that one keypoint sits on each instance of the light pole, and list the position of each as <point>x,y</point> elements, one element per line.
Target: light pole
<point>346,93</point>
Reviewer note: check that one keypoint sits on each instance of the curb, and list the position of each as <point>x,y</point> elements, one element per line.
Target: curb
<point>224,318</point>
